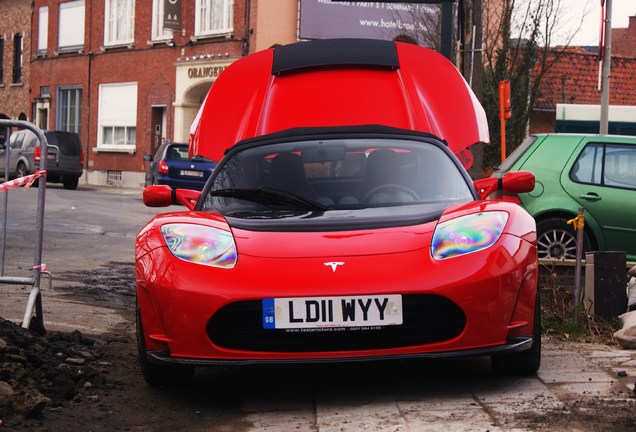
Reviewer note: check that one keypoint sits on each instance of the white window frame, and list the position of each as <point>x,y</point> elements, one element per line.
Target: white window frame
<point>114,34</point>
<point>69,109</point>
<point>43,29</point>
<point>117,116</point>
<point>207,23</point>
<point>158,32</point>
<point>71,25</point>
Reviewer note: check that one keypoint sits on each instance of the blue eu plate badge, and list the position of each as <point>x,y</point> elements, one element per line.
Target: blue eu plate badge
<point>269,314</point>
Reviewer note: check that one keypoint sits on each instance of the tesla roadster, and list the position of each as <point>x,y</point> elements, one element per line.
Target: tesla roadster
<point>340,224</point>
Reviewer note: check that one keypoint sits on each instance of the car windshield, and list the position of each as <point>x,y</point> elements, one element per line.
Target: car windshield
<point>335,174</point>
<point>516,154</point>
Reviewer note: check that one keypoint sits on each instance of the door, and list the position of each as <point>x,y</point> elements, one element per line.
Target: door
<point>14,151</point>
<point>158,119</point>
<point>602,180</point>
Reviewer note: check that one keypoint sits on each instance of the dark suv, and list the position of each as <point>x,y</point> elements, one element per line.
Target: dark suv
<point>65,160</point>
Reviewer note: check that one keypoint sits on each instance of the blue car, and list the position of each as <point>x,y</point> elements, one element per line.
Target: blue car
<point>171,166</point>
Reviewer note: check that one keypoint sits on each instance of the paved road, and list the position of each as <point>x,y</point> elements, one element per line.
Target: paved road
<point>459,395</point>
<point>577,387</point>
<point>85,229</point>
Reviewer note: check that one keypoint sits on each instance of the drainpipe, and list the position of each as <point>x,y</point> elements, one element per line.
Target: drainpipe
<point>248,31</point>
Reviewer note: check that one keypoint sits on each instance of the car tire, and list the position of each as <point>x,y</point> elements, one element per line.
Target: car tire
<point>556,239</point>
<point>522,363</point>
<point>159,375</point>
<point>70,183</point>
<point>21,170</point>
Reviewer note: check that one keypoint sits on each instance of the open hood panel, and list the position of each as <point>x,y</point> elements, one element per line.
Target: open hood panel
<point>338,82</point>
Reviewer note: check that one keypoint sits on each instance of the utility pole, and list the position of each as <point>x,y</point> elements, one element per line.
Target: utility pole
<point>607,63</point>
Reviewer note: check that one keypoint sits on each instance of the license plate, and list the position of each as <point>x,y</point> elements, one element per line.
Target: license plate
<point>192,173</point>
<point>50,156</point>
<point>323,312</point>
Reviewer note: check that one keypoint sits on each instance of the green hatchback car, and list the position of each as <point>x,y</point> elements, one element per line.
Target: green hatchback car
<point>595,172</point>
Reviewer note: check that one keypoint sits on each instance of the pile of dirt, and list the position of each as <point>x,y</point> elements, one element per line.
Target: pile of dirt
<point>38,371</point>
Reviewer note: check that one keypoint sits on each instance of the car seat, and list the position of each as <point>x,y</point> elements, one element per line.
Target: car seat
<point>288,174</point>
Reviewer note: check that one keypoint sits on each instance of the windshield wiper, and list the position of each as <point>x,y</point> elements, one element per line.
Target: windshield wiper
<point>270,196</point>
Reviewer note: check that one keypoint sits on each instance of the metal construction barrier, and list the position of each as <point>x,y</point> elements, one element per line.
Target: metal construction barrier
<point>34,303</point>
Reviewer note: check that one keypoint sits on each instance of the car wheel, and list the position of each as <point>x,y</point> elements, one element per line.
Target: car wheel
<point>159,375</point>
<point>523,362</point>
<point>71,183</point>
<point>557,240</point>
<point>21,170</point>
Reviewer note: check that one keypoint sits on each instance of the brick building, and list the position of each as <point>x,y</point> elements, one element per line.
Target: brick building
<point>113,73</point>
<point>624,40</point>
<point>15,50</point>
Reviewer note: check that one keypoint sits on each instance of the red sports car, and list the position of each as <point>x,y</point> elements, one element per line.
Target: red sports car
<point>340,224</point>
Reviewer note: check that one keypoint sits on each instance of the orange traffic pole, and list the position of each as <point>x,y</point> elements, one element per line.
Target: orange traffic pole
<point>504,113</point>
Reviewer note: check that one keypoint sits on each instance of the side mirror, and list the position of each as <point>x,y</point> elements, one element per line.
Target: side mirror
<point>164,195</point>
<point>513,182</point>
<point>518,182</point>
<point>147,158</point>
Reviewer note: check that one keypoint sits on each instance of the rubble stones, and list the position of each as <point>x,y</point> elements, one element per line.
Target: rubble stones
<point>36,370</point>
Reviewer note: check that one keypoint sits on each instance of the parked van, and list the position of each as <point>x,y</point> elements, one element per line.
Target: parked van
<point>65,159</point>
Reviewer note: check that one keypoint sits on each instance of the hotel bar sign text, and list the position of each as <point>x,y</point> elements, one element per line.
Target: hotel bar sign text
<point>205,71</point>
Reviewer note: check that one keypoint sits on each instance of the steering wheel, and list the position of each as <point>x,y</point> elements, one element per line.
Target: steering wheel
<point>390,189</point>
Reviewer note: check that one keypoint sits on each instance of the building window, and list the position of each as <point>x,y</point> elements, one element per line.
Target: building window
<point>158,32</point>
<point>113,178</point>
<point>119,22</point>
<point>69,109</point>
<point>1,60</point>
<point>117,117</point>
<point>43,29</point>
<point>71,26</point>
<point>17,59</point>
<point>214,17</point>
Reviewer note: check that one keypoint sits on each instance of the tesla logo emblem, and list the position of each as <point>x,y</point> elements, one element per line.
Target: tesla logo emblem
<point>334,265</point>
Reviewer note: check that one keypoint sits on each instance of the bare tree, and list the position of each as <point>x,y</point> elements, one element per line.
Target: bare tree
<point>519,46</point>
<point>426,20</point>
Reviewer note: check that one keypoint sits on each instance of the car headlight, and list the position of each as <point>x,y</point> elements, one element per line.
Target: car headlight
<point>200,244</point>
<point>467,234</point>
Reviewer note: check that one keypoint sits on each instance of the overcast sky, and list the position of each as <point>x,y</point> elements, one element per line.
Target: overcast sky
<point>590,30</point>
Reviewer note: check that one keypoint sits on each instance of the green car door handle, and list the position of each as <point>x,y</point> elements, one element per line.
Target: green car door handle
<point>590,196</point>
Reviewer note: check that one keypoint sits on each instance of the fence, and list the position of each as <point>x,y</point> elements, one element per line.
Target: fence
<point>34,302</point>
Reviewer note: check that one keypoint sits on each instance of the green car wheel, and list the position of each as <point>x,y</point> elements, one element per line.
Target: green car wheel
<point>556,239</point>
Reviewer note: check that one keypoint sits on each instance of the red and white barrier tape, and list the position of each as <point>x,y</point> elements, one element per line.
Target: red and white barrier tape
<point>25,181</point>
<point>42,267</point>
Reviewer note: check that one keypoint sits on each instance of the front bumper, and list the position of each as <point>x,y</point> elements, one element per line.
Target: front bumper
<point>511,346</point>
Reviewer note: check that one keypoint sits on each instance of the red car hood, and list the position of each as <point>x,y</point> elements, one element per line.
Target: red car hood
<point>314,244</point>
<point>333,244</point>
<point>422,91</point>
